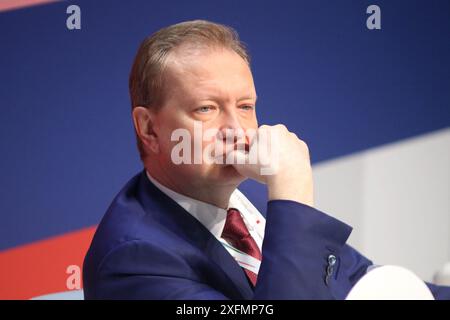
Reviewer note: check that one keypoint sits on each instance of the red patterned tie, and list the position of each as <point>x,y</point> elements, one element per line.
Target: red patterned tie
<point>237,234</point>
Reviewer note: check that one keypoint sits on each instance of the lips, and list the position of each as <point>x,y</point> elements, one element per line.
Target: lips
<point>243,147</point>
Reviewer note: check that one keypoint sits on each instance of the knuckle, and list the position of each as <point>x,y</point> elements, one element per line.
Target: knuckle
<point>305,146</point>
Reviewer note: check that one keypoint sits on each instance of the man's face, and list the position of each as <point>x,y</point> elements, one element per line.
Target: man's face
<point>213,87</point>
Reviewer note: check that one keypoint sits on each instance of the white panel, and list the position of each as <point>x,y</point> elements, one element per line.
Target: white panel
<point>338,191</point>
<point>397,199</point>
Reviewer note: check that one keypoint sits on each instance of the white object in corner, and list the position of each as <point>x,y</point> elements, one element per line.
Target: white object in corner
<point>390,283</point>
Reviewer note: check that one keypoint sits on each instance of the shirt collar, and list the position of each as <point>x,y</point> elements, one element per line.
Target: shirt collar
<point>213,217</point>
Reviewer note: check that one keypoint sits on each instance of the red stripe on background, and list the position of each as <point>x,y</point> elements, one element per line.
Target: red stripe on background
<point>40,268</point>
<point>16,4</point>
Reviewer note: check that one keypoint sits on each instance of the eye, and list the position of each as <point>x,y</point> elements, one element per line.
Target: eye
<point>247,107</point>
<point>205,109</point>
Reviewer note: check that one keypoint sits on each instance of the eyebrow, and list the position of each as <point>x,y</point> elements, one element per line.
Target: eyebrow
<point>214,97</point>
<point>216,94</point>
<point>248,98</point>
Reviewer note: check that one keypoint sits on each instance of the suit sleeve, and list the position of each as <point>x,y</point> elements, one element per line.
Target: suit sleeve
<point>439,292</point>
<point>298,244</point>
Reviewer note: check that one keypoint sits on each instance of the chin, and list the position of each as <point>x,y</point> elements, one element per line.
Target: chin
<point>230,175</point>
<point>225,175</point>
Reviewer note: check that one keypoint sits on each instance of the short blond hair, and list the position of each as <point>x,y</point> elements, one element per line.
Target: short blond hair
<point>146,76</point>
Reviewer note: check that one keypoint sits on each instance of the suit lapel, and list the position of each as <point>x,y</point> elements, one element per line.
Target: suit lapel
<point>216,252</point>
<point>186,226</point>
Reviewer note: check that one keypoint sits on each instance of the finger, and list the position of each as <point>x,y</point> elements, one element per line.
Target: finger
<point>238,157</point>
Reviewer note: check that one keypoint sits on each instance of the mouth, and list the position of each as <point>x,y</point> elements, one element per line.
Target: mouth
<point>242,147</point>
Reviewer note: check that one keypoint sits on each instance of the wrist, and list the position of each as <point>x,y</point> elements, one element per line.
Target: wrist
<point>299,190</point>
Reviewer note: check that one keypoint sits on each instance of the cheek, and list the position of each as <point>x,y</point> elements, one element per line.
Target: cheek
<point>172,125</point>
<point>252,123</point>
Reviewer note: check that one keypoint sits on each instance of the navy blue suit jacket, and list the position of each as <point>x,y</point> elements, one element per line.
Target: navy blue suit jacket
<point>149,247</point>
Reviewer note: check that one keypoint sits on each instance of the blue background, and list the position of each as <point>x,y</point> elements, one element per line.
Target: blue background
<point>66,137</point>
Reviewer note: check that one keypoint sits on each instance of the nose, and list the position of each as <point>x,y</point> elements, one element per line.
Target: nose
<point>230,130</point>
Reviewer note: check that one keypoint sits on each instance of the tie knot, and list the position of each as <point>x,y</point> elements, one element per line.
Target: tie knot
<point>236,233</point>
<point>234,229</point>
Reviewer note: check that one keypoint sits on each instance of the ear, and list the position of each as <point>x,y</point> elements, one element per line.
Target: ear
<point>144,124</point>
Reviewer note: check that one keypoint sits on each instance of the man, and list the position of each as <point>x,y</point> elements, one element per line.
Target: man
<point>182,229</point>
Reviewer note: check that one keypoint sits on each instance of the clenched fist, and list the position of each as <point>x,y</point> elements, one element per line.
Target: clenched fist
<point>278,158</point>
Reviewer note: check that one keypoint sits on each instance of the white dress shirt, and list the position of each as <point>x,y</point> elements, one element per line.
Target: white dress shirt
<point>213,218</point>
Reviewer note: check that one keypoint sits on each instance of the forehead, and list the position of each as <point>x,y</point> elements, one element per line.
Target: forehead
<point>208,71</point>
